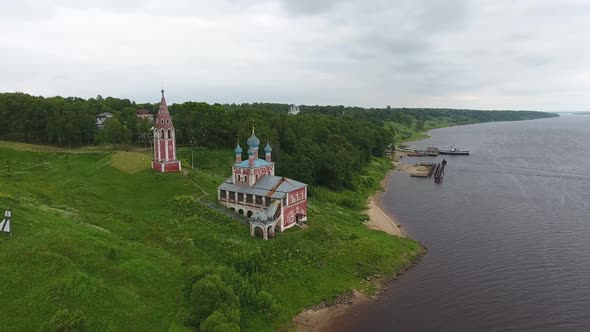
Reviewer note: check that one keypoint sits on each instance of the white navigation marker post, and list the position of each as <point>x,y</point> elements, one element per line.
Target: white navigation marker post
<point>5,226</point>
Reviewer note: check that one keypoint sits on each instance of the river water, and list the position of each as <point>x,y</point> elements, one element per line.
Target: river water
<point>508,233</point>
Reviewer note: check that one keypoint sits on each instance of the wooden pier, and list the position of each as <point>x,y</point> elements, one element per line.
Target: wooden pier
<point>439,172</point>
<point>426,170</point>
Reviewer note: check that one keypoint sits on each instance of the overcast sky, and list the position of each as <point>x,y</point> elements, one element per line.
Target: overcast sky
<point>525,54</point>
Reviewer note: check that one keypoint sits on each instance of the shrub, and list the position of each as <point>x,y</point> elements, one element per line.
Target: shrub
<point>267,303</point>
<point>219,321</point>
<point>210,294</point>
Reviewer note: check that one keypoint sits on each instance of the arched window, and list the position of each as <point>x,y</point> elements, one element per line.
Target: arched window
<point>169,133</point>
<point>246,178</point>
<point>162,133</point>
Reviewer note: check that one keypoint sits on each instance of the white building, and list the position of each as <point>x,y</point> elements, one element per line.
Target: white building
<point>294,110</point>
<point>102,118</point>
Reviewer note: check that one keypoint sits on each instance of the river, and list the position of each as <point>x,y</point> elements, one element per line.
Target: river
<point>508,233</point>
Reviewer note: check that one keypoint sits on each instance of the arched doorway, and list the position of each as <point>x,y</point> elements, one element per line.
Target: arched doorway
<point>249,215</point>
<point>270,231</point>
<point>241,212</point>
<point>258,232</point>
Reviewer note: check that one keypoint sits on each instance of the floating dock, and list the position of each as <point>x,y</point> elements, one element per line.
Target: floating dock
<point>434,151</point>
<point>422,170</point>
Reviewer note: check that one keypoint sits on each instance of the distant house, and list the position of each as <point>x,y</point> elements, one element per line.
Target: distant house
<point>294,110</point>
<point>102,118</point>
<point>145,114</point>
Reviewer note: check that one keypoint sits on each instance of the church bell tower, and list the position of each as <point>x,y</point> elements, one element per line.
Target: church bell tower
<point>165,141</point>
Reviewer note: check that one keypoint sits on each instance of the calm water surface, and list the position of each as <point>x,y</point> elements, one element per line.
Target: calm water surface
<point>508,233</point>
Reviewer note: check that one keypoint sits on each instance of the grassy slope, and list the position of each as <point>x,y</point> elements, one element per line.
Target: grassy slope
<point>95,232</point>
<point>407,134</point>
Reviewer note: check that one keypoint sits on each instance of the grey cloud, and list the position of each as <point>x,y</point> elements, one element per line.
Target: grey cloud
<point>480,54</point>
<point>309,7</point>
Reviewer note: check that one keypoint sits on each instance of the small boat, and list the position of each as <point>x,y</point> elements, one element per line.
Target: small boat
<point>454,151</point>
<point>417,153</point>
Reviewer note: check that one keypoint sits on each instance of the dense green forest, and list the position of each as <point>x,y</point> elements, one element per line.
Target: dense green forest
<point>324,145</point>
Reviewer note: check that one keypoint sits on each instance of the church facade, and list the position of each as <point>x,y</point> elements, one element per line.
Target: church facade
<point>273,203</point>
<point>165,141</point>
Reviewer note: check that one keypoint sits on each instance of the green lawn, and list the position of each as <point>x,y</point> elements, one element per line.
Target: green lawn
<point>101,235</point>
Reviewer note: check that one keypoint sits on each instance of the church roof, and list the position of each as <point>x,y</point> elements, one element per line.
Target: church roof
<point>257,163</point>
<point>266,215</point>
<point>269,185</point>
<point>267,149</point>
<point>163,119</point>
<point>253,141</point>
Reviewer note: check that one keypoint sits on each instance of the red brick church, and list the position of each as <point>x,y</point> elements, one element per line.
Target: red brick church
<point>273,203</point>
<point>165,141</point>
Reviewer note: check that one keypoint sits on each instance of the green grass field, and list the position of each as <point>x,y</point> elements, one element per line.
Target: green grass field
<point>102,236</point>
<point>410,134</point>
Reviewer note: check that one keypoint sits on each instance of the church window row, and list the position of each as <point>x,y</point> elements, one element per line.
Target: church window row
<point>297,197</point>
<point>241,178</point>
<point>249,198</point>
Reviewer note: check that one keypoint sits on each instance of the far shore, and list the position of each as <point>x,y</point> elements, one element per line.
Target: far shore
<point>322,317</point>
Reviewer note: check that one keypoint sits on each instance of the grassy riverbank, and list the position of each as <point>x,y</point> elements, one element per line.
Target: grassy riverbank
<point>109,244</point>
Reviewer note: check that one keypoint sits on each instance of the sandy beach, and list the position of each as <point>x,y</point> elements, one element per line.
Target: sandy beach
<point>378,218</point>
<point>320,319</point>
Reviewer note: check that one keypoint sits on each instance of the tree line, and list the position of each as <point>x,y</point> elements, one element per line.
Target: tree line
<point>324,145</point>
<point>65,122</point>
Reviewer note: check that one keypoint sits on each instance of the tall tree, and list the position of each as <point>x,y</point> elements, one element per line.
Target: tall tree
<point>115,132</point>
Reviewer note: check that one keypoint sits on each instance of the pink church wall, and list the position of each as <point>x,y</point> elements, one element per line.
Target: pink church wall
<point>172,167</point>
<point>170,150</point>
<point>162,155</point>
<point>297,193</point>
<point>289,213</point>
